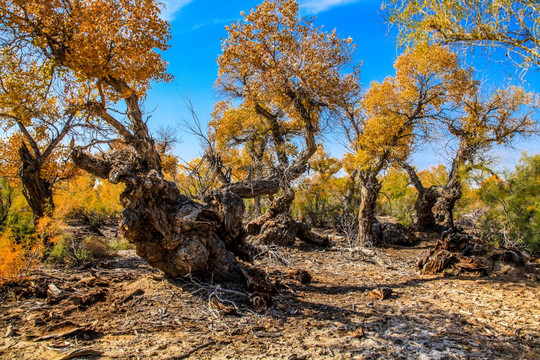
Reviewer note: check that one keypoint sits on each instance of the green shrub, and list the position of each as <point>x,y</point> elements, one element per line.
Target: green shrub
<point>120,244</point>
<point>397,197</point>
<point>60,252</point>
<point>512,213</point>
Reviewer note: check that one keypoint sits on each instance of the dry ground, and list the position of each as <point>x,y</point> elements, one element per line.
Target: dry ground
<point>122,309</point>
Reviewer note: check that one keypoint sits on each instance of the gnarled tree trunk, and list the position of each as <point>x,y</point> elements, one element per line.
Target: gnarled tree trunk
<point>169,230</point>
<point>366,217</point>
<point>37,190</point>
<point>425,201</point>
<point>444,207</point>
<point>277,226</point>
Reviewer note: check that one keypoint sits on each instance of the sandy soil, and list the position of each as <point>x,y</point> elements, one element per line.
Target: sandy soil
<point>362,304</point>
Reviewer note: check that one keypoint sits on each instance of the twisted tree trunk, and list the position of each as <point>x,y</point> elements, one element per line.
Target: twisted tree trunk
<point>37,190</point>
<point>444,207</point>
<point>277,226</point>
<point>171,231</point>
<point>425,201</point>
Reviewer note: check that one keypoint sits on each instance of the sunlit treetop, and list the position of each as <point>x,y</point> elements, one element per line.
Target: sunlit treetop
<point>97,40</point>
<point>232,126</point>
<point>323,163</point>
<point>276,58</point>
<point>512,25</point>
<point>34,110</point>
<point>429,84</point>
<point>25,88</point>
<point>55,167</point>
<point>487,121</point>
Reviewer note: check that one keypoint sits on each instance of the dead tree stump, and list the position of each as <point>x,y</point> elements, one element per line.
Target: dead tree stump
<point>458,253</point>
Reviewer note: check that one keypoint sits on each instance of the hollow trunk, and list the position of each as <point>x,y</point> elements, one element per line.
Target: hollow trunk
<point>426,200</point>
<point>277,226</point>
<point>37,190</point>
<point>366,216</point>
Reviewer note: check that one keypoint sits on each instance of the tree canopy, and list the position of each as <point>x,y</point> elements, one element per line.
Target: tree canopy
<point>512,25</point>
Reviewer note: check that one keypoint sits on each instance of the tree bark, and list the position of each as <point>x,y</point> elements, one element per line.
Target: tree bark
<point>366,217</point>
<point>444,207</point>
<point>425,219</point>
<point>277,226</point>
<point>425,201</point>
<point>171,231</point>
<point>37,190</point>
<point>257,207</point>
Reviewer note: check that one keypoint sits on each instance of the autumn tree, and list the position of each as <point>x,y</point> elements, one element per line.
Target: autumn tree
<point>238,145</point>
<point>286,75</point>
<point>513,26</point>
<point>36,115</point>
<point>481,124</point>
<point>111,50</point>
<point>395,114</point>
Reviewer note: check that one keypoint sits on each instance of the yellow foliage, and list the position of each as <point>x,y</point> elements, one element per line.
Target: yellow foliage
<point>435,175</point>
<point>428,83</point>
<point>325,165</point>
<point>49,229</point>
<point>285,68</point>
<point>96,39</point>
<point>513,25</point>
<point>88,193</point>
<point>273,51</point>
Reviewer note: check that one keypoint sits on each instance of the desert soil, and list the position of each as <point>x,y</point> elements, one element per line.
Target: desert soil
<point>360,304</point>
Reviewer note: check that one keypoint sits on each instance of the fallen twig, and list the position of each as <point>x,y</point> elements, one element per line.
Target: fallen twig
<point>190,352</point>
<point>69,333</point>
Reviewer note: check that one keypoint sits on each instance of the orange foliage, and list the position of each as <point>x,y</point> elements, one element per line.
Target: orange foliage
<point>17,257</point>
<point>96,39</point>
<point>12,257</point>
<point>429,83</point>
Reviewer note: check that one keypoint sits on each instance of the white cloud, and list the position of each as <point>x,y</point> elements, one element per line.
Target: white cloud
<point>172,7</point>
<point>317,6</point>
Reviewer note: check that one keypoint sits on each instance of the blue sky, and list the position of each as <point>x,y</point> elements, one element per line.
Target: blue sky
<point>198,26</point>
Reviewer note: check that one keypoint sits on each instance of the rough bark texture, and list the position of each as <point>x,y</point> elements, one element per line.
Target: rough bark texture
<point>435,205</point>
<point>366,216</point>
<point>425,201</point>
<point>37,191</point>
<point>171,231</point>
<point>444,206</point>
<point>277,226</point>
